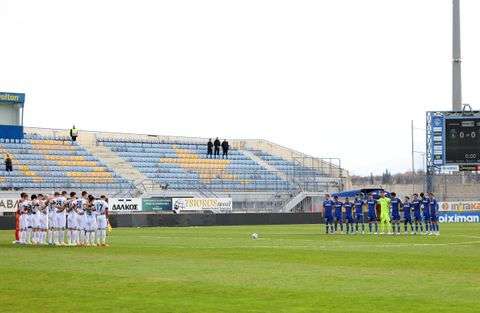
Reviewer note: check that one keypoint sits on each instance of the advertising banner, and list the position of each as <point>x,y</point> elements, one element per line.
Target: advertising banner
<point>202,204</point>
<point>459,206</point>
<point>124,204</point>
<point>10,97</point>
<point>459,217</point>
<point>157,204</point>
<point>8,205</point>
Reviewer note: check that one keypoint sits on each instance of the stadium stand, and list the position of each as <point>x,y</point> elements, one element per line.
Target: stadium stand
<point>258,175</point>
<point>54,162</point>
<point>184,165</point>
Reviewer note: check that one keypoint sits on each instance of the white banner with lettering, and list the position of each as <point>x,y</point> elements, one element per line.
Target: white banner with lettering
<point>8,204</point>
<point>124,204</point>
<point>459,206</point>
<point>202,204</point>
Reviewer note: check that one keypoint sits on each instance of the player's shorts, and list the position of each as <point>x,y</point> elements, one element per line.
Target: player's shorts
<point>90,224</point>
<point>384,216</point>
<point>80,222</point>
<point>30,220</point>
<point>23,222</point>
<point>36,220</point>
<point>418,217</point>
<point>426,216</point>
<point>338,218</point>
<point>71,221</point>
<point>359,217</point>
<point>328,219</point>
<point>43,221</point>
<point>60,221</point>
<point>51,220</point>
<point>395,217</point>
<point>407,219</point>
<point>102,222</point>
<point>349,218</point>
<point>372,217</point>
<point>434,217</point>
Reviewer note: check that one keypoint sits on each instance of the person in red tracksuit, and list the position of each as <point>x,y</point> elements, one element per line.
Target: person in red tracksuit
<point>17,218</point>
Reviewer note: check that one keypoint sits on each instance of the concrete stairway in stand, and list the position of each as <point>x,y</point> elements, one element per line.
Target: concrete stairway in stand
<point>119,165</point>
<point>269,167</point>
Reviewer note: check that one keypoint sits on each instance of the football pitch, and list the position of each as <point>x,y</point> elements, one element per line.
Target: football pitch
<point>292,268</point>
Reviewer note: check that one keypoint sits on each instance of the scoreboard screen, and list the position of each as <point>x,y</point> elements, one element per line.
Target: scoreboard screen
<point>462,140</point>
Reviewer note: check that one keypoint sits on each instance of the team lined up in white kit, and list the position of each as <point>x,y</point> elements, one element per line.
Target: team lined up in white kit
<point>83,219</point>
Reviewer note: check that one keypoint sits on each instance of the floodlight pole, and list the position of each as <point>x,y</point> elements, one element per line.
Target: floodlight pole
<point>457,59</point>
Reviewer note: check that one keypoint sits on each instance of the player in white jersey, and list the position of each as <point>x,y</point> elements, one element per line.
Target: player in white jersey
<point>34,221</point>
<point>51,219</point>
<point>81,218</point>
<point>43,218</point>
<point>91,225</point>
<point>60,219</point>
<point>71,208</point>
<point>23,208</point>
<point>101,210</point>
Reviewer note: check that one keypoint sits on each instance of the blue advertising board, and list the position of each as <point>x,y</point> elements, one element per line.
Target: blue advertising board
<point>10,97</point>
<point>459,217</point>
<point>438,146</point>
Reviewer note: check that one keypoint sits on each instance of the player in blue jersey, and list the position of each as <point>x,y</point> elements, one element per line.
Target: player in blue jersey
<point>424,201</point>
<point>395,219</point>
<point>372,214</point>
<point>348,215</point>
<point>337,205</point>
<point>433,207</point>
<point>327,213</point>
<point>417,214</point>
<point>359,203</point>
<point>407,215</point>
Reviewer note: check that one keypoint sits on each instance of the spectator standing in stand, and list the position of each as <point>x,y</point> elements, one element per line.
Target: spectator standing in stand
<point>225,148</point>
<point>74,133</point>
<point>216,144</point>
<point>8,163</point>
<point>209,148</point>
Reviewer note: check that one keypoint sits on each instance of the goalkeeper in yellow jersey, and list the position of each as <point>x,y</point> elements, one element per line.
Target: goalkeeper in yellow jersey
<point>384,215</point>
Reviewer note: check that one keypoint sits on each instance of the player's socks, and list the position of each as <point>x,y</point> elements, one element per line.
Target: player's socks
<point>98,236</point>
<point>50,236</point>
<point>29,234</point>
<point>326,229</point>
<point>370,226</point>
<point>398,228</point>
<point>92,237</point>
<point>55,237</point>
<point>405,228</point>
<point>104,236</point>
<point>363,227</point>
<point>341,226</point>
<point>336,227</point>
<point>438,227</point>
<point>376,227</point>
<point>356,226</point>
<point>421,227</point>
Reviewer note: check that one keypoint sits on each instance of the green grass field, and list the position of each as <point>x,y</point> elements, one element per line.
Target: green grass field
<point>294,268</point>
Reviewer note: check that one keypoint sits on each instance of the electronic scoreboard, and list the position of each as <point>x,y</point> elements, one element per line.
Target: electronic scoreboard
<point>456,140</point>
